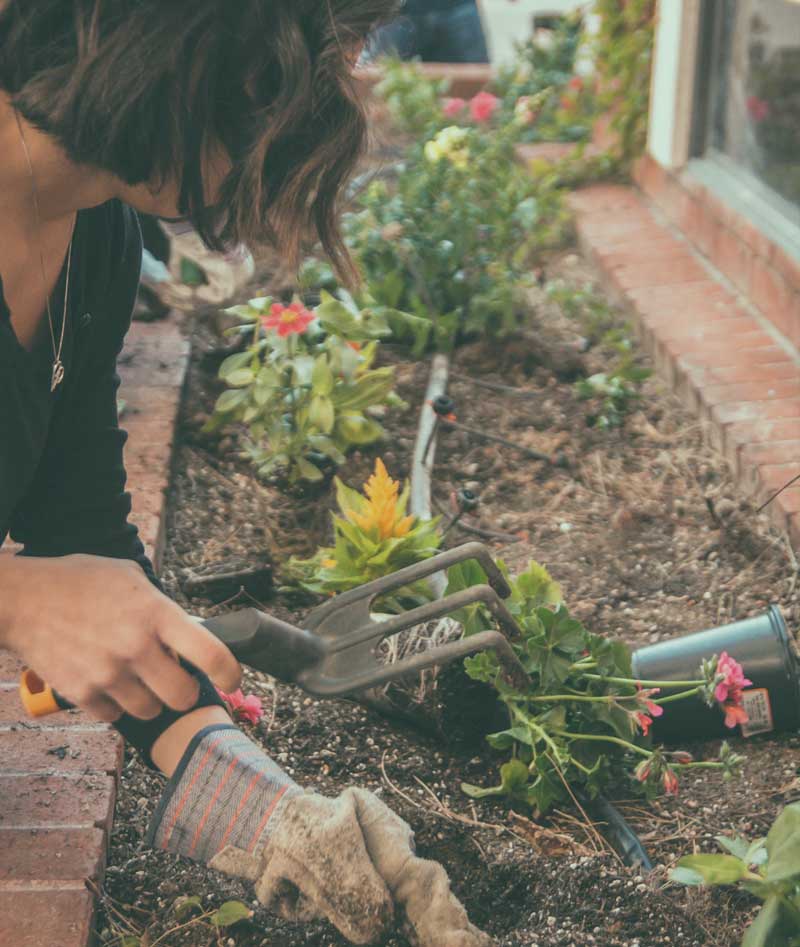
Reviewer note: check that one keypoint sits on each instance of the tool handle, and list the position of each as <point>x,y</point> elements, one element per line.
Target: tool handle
<point>268,644</point>
<point>38,698</point>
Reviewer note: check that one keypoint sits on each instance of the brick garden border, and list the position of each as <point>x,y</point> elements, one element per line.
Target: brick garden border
<point>58,779</point>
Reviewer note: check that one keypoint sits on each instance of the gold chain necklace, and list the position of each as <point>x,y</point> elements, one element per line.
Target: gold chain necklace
<point>57,375</point>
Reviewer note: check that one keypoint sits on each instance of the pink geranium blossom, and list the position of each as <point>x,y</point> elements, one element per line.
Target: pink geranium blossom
<point>247,708</point>
<point>452,108</point>
<point>483,105</point>
<point>288,320</point>
<point>730,680</point>
<point>643,721</point>
<point>643,699</point>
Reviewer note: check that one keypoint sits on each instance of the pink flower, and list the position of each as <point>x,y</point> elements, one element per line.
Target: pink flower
<point>288,320</point>
<point>730,680</point>
<point>643,721</point>
<point>243,708</point>
<point>643,770</point>
<point>642,698</point>
<point>670,782</point>
<point>452,108</point>
<point>483,105</point>
<point>757,108</point>
<point>734,715</point>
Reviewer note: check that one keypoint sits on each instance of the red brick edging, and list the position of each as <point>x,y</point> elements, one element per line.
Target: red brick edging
<point>58,778</point>
<point>726,359</point>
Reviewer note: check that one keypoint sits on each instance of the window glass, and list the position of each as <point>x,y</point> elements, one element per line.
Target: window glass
<point>755,104</point>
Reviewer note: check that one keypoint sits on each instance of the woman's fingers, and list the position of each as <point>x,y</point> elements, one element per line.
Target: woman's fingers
<point>103,709</point>
<point>164,676</point>
<point>196,644</point>
<point>129,693</point>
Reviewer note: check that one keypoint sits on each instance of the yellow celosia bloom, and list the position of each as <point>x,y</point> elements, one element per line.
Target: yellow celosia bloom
<point>384,510</point>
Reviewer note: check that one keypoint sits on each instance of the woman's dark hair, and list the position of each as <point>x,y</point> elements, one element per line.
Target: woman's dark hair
<point>150,89</point>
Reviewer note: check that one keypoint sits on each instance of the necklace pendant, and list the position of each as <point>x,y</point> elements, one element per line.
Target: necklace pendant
<point>58,374</point>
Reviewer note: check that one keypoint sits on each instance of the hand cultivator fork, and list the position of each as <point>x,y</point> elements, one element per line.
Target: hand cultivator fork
<point>336,652</point>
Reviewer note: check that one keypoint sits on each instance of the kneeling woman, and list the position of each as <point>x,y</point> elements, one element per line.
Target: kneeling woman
<point>242,118</point>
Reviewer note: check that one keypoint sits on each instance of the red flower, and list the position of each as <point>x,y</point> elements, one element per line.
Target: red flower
<point>757,108</point>
<point>355,346</point>
<point>730,680</point>
<point>734,715</point>
<point>568,104</point>
<point>288,320</point>
<point>670,782</point>
<point>576,84</point>
<point>681,756</point>
<point>453,107</point>
<point>643,770</point>
<point>483,105</point>
<point>644,721</point>
<point>642,698</point>
<point>243,708</point>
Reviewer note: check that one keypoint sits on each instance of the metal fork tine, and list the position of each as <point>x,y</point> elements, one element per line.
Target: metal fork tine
<point>329,686</point>
<point>421,570</point>
<point>430,610</point>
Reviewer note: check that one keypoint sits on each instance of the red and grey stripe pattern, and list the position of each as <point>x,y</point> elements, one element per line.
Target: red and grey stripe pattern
<point>224,792</point>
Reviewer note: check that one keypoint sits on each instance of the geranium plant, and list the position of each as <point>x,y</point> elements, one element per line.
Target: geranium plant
<point>305,384</point>
<point>586,719</point>
<point>374,536</point>
<point>768,868</point>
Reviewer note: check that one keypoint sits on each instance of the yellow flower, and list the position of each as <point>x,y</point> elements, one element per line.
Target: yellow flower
<point>384,511</point>
<point>451,143</point>
<point>328,563</point>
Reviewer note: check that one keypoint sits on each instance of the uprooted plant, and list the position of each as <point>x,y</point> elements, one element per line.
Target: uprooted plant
<point>768,868</point>
<point>585,720</point>
<point>305,384</point>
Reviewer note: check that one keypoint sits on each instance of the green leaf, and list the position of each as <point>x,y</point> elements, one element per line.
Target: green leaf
<point>686,876</point>
<point>241,378</point>
<point>783,846</point>
<point>505,739</point>
<point>322,380</point>
<point>514,776</point>
<point>772,927</point>
<point>184,908</point>
<point>229,401</point>
<point>307,470</point>
<point>230,913</point>
<point>371,388</point>
<point>321,413</point>
<point>478,792</point>
<point>739,847</point>
<point>715,869</point>
<point>233,363</point>
<point>334,316</point>
<point>356,429</point>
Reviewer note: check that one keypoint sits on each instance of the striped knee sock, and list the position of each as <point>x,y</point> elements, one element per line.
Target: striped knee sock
<point>224,792</point>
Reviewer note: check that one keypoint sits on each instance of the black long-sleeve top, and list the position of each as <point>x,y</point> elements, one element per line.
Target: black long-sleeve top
<point>62,477</point>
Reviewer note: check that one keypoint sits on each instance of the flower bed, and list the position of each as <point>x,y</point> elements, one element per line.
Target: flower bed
<point>557,445</point>
<point>625,529</point>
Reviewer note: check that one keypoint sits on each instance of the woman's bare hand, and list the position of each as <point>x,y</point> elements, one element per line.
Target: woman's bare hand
<point>104,637</point>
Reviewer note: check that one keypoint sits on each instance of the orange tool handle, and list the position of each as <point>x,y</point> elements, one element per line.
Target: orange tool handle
<point>38,698</point>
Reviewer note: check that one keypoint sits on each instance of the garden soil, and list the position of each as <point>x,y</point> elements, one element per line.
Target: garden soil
<point>649,539</point>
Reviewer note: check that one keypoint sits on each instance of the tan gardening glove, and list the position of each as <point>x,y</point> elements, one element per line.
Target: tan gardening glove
<point>350,860</point>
